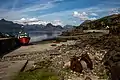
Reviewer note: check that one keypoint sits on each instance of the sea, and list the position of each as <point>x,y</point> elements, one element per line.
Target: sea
<point>37,35</point>
<point>42,35</point>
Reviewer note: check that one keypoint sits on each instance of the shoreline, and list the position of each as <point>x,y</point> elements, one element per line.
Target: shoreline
<point>57,39</point>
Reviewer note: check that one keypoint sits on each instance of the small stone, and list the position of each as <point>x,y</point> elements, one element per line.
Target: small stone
<point>88,78</point>
<point>67,52</point>
<point>66,65</point>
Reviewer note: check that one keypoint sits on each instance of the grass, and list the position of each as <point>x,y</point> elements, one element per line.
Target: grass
<point>39,74</point>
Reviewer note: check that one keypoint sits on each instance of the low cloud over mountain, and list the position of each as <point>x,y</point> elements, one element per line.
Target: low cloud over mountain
<point>35,21</point>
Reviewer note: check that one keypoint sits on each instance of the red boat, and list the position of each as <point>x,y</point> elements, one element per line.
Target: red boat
<point>24,38</point>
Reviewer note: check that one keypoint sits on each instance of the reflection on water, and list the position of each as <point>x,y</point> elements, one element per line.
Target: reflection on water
<point>38,36</point>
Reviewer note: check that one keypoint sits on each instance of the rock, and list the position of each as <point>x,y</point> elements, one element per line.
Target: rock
<point>86,58</point>
<point>115,72</point>
<point>66,65</point>
<point>88,78</point>
<point>84,64</point>
<point>112,63</point>
<point>76,65</point>
<point>53,44</point>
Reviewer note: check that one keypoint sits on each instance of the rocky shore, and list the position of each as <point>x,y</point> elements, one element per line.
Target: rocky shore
<point>103,52</point>
<point>62,54</point>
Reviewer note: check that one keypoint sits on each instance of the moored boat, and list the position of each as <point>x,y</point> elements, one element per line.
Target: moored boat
<point>24,38</point>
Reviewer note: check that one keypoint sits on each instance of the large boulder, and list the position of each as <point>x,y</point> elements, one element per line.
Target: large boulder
<point>78,64</point>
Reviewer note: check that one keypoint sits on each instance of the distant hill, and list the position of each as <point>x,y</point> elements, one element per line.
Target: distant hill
<point>111,23</point>
<point>68,27</point>
<point>9,26</point>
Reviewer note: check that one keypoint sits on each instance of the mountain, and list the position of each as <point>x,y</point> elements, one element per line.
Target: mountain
<point>48,27</point>
<point>34,27</point>
<point>51,27</point>
<point>68,27</point>
<point>9,26</point>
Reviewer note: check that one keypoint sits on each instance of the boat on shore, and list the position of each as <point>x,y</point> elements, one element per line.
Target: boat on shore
<point>23,37</point>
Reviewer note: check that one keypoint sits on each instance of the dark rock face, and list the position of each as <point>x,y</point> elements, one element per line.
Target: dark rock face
<point>112,63</point>
<point>76,64</point>
<point>115,72</point>
<point>87,59</point>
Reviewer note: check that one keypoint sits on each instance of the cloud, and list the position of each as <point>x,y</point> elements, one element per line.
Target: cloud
<point>33,13</point>
<point>38,7</point>
<point>57,1</point>
<point>93,18</point>
<point>57,22</point>
<point>23,19</point>
<point>114,11</point>
<point>84,16</point>
<point>24,12</point>
<point>39,22</point>
<point>94,14</point>
<point>73,16</point>
<point>32,21</point>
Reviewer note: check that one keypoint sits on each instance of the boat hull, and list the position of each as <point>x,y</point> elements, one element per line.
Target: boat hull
<point>24,40</point>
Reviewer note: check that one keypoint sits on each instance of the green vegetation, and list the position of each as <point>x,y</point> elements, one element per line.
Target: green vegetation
<point>38,74</point>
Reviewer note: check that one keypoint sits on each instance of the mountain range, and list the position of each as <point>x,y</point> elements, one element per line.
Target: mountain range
<point>9,26</point>
<point>48,27</point>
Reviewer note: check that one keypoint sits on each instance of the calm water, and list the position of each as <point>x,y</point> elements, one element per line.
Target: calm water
<point>38,35</point>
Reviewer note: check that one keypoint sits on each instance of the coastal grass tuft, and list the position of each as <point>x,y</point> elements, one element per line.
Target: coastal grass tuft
<point>39,74</point>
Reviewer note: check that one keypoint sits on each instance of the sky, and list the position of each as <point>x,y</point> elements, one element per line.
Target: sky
<point>57,12</point>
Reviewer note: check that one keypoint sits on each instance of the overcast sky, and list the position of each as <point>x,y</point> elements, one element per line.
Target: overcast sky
<point>59,12</point>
